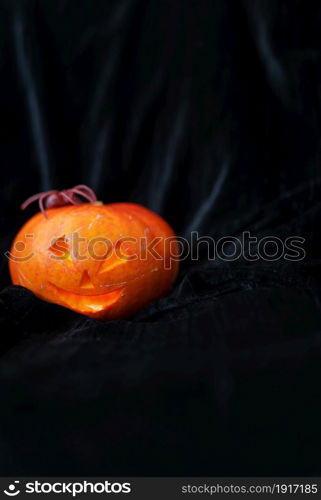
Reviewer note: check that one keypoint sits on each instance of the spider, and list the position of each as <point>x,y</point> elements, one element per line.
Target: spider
<point>54,198</point>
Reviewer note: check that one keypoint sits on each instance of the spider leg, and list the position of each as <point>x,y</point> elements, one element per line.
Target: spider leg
<point>35,197</point>
<point>83,187</point>
<point>66,196</point>
<point>84,195</point>
<point>30,200</point>
<point>41,200</point>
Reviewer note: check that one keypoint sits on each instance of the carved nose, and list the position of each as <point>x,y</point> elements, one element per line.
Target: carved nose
<point>85,281</point>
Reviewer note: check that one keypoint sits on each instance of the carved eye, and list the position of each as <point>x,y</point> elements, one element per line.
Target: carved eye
<point>110,264</point>
<point>60,248</point>
<point>116,257</point>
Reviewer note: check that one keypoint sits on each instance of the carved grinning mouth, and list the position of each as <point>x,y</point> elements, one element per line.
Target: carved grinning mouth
<point>88,303</point>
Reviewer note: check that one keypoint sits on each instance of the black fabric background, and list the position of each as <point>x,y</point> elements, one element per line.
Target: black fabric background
<point>208,112</point>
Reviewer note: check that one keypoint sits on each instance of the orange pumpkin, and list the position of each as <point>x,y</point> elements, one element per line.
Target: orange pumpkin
<point>104,261</point>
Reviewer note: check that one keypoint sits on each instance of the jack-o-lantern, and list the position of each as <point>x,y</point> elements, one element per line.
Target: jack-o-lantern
<point>104,261</point>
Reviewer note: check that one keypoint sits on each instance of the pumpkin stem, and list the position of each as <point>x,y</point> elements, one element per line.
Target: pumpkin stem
<point>54,198</point>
